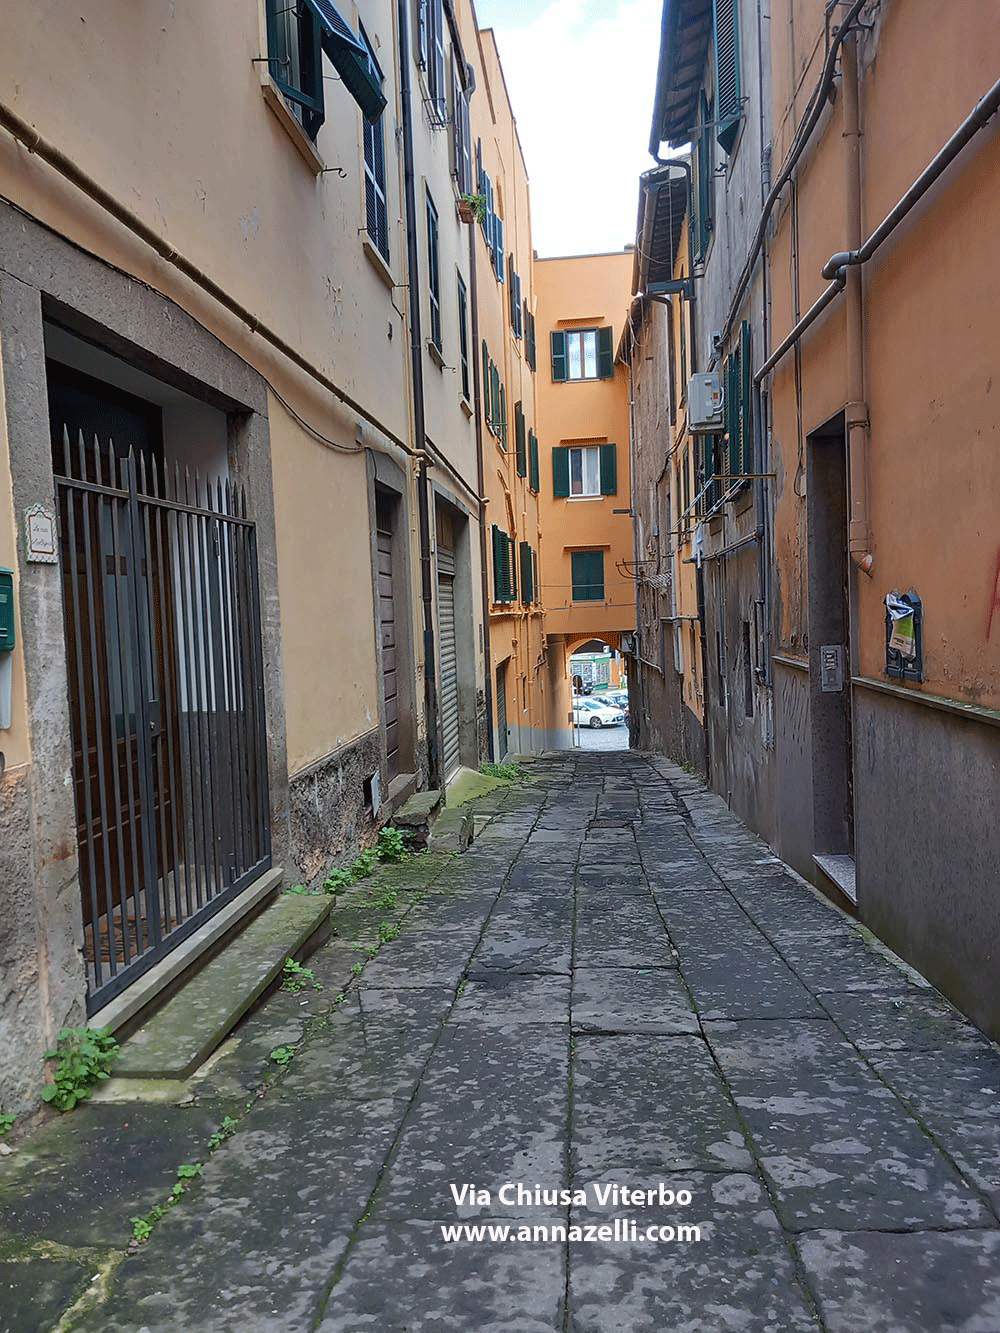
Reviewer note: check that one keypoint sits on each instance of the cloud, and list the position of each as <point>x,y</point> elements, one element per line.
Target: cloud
<point>581,75</point>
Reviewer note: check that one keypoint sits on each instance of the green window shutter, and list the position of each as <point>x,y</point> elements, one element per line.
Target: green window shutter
<point>503,414</point>
<point>588,576</point>
<point>746,401</point>
<point>512,569</point>
<point>727,71</point>
<point>527,586</point>
<point>497,565</point>
<point>705,180</point>
<point>510,291</point>
<point>558,340</point>
<point>529,336</point>
<point>605,353</point>
<point>519,441</point>
<point>533,461</point>
<point>609,469</point>
<point>486,382</point>
<point>534,578</point>
<point>560,473</point>
<point>733,412</point>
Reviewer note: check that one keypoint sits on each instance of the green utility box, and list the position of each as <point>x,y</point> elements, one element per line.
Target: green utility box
<point>6,610</point>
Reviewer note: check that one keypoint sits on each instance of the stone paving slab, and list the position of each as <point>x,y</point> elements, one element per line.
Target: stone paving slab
<point>737,1277</point>
<point>651,1103</point>
<point>742,979</point>
<point>34,1292</point>
<point>873,1282</point>
<point>402,1278</point>
<point>631,1000</point>
<point>836,1144</point>
<point>500,999</point>
<point>628,933</point>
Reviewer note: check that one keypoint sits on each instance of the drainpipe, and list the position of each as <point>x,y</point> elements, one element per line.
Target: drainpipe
<point>435,776</point>
<point>481,475</point>
<point>859,538</point>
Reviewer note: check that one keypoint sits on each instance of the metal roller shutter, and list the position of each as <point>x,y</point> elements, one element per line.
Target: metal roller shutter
<point>449,661</point>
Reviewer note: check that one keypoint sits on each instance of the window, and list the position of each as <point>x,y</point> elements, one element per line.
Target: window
<point>528,589</point>
<point>582,354</point>
<point>433,273</point>
<point>588,576</point>
<point>491,222</point>
<point>431,57</point>
<point>582,470</point>
<point>299,34</point>
<point>461,141</point>
<point>728,106</point>
<point>738,389</point>
<point>463,338</point>
<point>529,336</point>
<point>295,60</point>
<point>520,441</point>
<point>504,568</point>
<point>514,284</point>
<point>376,211</point>
<point>703,187</point>
<point>532,461</point>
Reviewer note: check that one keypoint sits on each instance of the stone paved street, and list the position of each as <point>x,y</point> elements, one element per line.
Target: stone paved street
<point>616,985</point>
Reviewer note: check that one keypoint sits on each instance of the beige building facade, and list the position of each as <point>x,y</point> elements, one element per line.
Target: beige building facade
<point>240,471</point>
<point>587,555</point>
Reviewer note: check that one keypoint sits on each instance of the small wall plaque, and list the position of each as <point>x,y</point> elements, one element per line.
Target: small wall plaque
<point>40,536</point>
<point>831,668</point>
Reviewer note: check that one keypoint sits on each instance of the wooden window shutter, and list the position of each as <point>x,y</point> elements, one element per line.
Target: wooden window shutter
<point>527,585</point>
<point>733,412</point>
<point>560,473</point>
<point>609,469</point>
<point>423,27</point>
<point>746,402</point>
<point>498,584</point>
<point>503,415</point>
<point>529,336</point>
<point>588,576</point>
<point>558,340</point>
<point>535,582</point>
<point>486,383</point>
<point>533,461</point>
<point>510,292</point>
<point>512,569</point>
<point>520,445</point>
<point>728,108</point>
<point>605,353</point>
<point>498,247</point>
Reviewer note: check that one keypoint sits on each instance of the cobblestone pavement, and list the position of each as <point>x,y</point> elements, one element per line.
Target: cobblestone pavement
<point>615,986</point>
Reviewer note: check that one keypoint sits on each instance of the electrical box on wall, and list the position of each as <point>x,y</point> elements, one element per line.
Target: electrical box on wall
<point>7,640</point>
<point>705,403</point>
<point>6,611</point>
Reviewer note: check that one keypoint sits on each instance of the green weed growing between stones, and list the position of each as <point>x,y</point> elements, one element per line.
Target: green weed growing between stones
<point>391,844</point>
<point>505,772</point>
<point>83,1057</point>
<point>295,977</point>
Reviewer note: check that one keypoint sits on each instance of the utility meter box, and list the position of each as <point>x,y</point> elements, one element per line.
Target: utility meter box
<point>6,611</point>
<point>705,404</point>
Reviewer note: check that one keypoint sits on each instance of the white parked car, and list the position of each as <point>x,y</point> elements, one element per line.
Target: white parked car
<point>593,713</point>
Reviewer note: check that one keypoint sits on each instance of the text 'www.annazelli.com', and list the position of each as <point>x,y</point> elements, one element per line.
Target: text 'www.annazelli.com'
<point>623,1230</point>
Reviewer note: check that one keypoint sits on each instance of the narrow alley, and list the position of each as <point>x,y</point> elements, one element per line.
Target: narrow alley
<point>616,985</point>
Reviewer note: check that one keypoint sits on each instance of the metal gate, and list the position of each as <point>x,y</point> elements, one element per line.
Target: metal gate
<point>387,633</point>
<point>166,685</point>
<point>449,659</point>
<point>501,711</point>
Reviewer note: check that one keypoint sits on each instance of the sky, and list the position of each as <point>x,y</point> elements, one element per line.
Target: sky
<point>580,74</point>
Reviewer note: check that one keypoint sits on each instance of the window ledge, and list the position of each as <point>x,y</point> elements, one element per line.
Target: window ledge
<point>377,260</point>
<point>576,499</point>
<point>466,406</point>
<point>275,99</point>
<point>435,353</point>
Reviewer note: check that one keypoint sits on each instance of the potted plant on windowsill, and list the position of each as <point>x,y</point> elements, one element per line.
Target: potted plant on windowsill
<point>472,207</point>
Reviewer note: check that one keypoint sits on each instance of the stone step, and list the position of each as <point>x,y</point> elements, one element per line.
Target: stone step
<point>417,815</point>
<point>180,1036</point>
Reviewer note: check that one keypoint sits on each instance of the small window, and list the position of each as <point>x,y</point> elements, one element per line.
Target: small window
<point>585,471</point>
<point>463,337</point>
<point>433,272</point>
<point>588,576</point>
<point>582,354</point>
<point>295,60</point>
<point>376,211</point>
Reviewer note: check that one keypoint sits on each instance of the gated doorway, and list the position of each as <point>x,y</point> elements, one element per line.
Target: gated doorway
<point>166,688</point>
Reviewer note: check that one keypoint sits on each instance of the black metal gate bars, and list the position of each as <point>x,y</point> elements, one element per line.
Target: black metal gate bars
<point>166,685</point>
